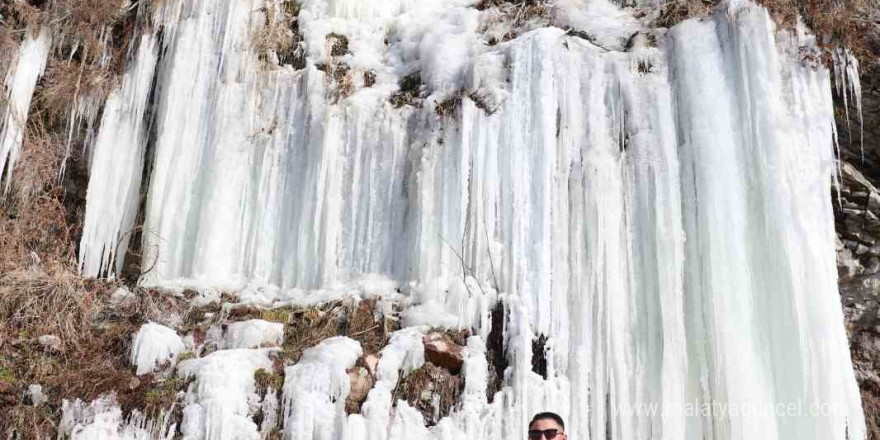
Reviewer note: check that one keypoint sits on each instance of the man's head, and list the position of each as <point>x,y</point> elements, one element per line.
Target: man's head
<point>547,425</point>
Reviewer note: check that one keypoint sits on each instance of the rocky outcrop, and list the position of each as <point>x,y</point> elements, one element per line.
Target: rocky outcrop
<point>857,212</point>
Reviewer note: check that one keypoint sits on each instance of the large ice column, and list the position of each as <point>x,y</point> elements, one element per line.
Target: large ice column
<point>20,83</point>
<point>763,320</point>
<point>117,167</point>
<point>204,147</point>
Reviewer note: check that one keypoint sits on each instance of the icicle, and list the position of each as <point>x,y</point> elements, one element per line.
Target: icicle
<point>20,83</point>
<point>116,169</point>
<point>849,87</point>
<point>102,420</point>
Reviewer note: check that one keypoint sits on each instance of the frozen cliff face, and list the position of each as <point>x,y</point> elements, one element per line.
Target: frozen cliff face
<point>652,204</point>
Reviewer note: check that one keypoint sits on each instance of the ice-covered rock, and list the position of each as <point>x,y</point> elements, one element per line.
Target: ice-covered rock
<point>316,388</point>
<point>218,403</point>
<point>35,394</point>
<point>254,333</point>
<point>154,346</point>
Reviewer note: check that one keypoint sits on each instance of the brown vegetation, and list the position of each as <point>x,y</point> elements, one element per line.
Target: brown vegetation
<point>432,390</point>
<point>280,42</point>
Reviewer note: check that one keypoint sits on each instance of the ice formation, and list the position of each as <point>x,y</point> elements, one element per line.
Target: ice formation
<point>20,83</point>
<point>154,346</point>
<point>103,420</point>
<point>655,203</point>
<point>315,390</point>
<point>254,333</point>
<point>118,152</point>
<point>218,401</point>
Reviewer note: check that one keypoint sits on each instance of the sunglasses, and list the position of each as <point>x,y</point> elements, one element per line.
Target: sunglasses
<point>549,434</point>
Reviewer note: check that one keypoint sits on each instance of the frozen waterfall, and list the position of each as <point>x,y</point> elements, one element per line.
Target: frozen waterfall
<point>656,203</point>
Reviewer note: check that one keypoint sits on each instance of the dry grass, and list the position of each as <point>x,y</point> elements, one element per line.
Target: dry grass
<point>92,360</point>
<point>305,327</point>
<point>430,380</point>
<point>279,42</point>
<point>509,19</point>
<point>34,220</point>
<point>96,341</point>
<point>675,12</point>
<point>65,83</point>
<point>848,23</point>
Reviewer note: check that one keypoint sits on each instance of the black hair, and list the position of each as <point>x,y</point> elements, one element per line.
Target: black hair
<point>548,415</point>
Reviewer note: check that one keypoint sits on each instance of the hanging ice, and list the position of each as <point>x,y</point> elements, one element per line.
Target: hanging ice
<point>653,203</point>
<point>112,203</point>
<point>20,83</point>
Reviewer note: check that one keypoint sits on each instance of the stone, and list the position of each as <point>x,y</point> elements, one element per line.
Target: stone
<point>36,396</point>
<point>51,343</point>
<point>121,297</point>
<point>874,201</point>
<point>441,351</point>
<point>371,361</point>
<point>871,220</point>
<point>852,176</point>
<point>134,383</point>
<point>873,265</point>
<point>361,383</point>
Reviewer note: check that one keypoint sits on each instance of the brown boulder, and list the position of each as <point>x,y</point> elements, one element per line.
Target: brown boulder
<point>361,384</point>
<point>442,351</point>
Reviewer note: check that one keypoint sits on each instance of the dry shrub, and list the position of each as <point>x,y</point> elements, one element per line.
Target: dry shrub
<point>8,50</point>
<point>430,380</point>
<point>30,423</point>
<point>848,23</point>
<point>65,83</point>
<point>305,327</point>
<point>677,11</point>
<point>96,343</point>
<point>511,18</point>
<point>86,25</point>
<point>33,216</point>
<point>279,42</point>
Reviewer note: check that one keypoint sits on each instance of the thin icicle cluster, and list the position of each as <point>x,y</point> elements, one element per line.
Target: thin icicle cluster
<point>654,203</point>
<point>20,83</point>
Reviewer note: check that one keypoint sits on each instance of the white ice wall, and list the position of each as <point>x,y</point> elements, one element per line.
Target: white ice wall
<point>661,214</point>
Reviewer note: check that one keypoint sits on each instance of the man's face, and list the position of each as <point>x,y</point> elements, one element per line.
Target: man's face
<point>544,425</point>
